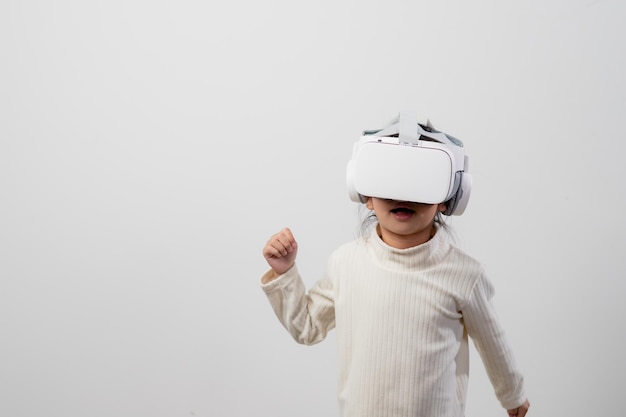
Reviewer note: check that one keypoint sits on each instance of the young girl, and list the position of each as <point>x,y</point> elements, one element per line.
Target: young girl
<point>403,301</point>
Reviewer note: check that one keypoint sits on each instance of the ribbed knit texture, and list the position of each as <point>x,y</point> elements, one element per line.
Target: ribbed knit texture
<point>402,318</point>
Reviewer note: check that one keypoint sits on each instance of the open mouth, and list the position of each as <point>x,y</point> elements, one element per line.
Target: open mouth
<point>402,211</point>
<point>402,214</point>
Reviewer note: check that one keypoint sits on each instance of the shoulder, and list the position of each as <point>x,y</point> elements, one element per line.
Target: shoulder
<point>356,248</point>
<point>476,282</point>
<point>464,260</point>
<point>461,270</point>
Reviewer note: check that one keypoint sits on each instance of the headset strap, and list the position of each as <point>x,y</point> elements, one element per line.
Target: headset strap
<point>405,126</point>
<point>409,131</point>
<point>408,127</point>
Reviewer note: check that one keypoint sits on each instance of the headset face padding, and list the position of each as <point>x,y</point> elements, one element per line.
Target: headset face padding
<point>458,203</point>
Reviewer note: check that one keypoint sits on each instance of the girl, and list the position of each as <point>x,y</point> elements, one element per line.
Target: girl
<point>403,301</point>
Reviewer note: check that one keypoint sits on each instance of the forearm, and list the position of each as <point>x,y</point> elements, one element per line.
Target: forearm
<point>307,316</point>
<point>493,347</point>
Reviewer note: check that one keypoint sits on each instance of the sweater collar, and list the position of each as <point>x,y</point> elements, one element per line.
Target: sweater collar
<point>417,257</point>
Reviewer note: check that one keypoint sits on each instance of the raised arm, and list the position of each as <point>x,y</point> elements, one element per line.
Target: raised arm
<point>307,316</point>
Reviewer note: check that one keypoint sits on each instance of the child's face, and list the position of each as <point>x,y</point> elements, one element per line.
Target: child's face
<point>404,224</point>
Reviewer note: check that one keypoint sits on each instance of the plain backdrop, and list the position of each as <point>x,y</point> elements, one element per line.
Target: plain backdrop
<point>148,149</point>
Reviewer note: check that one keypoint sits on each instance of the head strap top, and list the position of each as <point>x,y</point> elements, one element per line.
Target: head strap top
<point>409,131</point>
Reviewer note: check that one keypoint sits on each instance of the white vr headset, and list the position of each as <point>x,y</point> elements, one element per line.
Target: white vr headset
<point>407,161</point>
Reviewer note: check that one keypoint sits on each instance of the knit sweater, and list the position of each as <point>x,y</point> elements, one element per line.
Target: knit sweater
<point>402,318</point>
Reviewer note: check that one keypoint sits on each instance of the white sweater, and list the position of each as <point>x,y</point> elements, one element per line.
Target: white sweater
<point>402,317</point>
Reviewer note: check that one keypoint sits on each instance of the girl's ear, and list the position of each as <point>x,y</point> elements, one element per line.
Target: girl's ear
<point>369,204</point>
<point>442,207</point>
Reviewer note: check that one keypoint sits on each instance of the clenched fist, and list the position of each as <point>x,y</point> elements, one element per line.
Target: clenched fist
<point>280,251</point>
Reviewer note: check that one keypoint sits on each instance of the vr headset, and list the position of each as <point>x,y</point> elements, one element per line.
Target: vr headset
<point>408,161</point>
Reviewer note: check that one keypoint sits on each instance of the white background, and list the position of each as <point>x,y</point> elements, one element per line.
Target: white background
<point>148,149</point>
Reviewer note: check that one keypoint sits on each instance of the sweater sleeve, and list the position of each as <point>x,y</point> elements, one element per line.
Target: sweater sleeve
<point>307,316</point>
<point>489,338</point>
